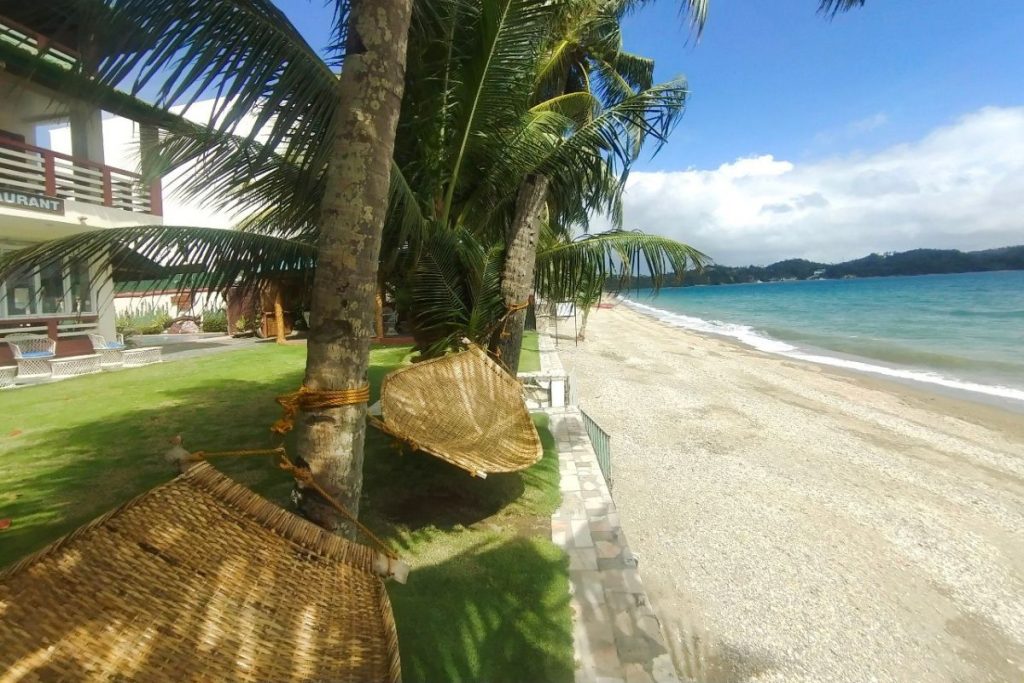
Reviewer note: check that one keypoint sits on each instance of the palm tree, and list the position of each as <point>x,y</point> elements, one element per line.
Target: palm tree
<point>256,61</point>
<point>314,170</point>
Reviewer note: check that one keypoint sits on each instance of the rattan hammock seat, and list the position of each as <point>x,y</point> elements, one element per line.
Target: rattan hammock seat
<point>198,579</point>
<point>463,408</point>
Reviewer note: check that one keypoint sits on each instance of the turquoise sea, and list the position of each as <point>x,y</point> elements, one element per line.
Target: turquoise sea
<point>963,332</point>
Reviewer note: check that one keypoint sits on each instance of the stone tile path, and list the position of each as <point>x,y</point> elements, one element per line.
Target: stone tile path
<point>616,633</point>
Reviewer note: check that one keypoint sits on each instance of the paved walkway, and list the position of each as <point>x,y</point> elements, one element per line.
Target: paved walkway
<point>616,634</point>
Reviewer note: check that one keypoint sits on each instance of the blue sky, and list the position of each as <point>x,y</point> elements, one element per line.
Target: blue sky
<point>775,77</point>
<point>895,126</point>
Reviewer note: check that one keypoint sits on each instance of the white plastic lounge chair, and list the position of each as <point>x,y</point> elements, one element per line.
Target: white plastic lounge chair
<point>116,354</point>
<point>32,353</point>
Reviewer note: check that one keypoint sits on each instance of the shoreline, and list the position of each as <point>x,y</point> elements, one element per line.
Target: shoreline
<point>808,355</point>
<point>799,522</point>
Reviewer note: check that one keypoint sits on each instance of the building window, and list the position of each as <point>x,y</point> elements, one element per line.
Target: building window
<point>81,288</point>
<point>21,294</point>
<point>54,290</point>
<point>51,289</point>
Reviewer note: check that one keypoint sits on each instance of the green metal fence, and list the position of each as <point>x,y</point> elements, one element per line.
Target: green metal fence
<point>602,443</point>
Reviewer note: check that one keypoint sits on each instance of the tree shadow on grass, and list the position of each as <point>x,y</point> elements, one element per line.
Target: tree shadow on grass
<point>60,478</point>
<point>54,480</point>
<point>415,490</point>
<point>482,604</point>
<point>502,601</point>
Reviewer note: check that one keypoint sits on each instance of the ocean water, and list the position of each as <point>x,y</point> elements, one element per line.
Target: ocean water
<point>963,332</point>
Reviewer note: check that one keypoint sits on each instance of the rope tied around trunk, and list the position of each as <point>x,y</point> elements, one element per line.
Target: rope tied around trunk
<point>305,478</point>
<point>306,399</point>
<point>311,399</point>
<point>504,334</point>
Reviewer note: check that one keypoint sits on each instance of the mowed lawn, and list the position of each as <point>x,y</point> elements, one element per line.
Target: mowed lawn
<point>529,354</point>
<point>488,595</point>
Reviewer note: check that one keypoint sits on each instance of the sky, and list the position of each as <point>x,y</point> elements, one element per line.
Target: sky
<point>895,126</point>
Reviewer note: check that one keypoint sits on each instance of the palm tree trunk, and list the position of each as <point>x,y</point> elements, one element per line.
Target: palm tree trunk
<point>330,440</point>
<point>520,261</point>
<point>583,324</point>
<point>279,316</point>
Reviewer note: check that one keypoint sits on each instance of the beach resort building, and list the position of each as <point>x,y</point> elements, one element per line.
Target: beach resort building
<point>47,194</point>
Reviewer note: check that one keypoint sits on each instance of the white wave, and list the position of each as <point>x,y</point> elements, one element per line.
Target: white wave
<point>761,342</point>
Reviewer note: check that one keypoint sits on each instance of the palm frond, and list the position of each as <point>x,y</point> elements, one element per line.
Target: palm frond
<point>565,267</point>
<point>834,7</point>
<point>204,258</point>
<point>264,75</point>
<point>456,291</point>
<point>495,81</point>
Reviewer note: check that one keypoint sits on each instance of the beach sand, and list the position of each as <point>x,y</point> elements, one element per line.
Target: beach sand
<point>799,524</point>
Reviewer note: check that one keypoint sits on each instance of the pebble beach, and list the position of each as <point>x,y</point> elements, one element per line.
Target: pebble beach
<point>796,523</point>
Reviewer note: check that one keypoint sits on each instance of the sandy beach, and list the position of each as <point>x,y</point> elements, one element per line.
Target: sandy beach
<point>798,524</point>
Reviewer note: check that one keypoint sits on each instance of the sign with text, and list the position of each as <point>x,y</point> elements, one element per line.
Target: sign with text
<point>30,201</point>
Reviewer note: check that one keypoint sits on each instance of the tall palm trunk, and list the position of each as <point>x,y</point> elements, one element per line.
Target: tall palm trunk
<point>279,316</point>
<point>520,262</point>
<point>582,334</point>
<point>370,89</point>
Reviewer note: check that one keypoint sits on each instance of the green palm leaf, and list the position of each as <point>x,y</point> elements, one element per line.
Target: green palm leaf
<point>565,267</point>
<point>205,258</point>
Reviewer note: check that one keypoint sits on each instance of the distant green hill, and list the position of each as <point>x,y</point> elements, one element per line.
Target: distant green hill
<point>914,262</point>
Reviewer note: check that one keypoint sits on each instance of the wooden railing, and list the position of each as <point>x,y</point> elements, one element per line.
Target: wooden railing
<point>38,170</point>
<point>16,34</point>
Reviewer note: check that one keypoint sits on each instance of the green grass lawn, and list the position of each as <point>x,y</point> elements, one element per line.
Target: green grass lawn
<point>488,595</point>
<point>529,356</point>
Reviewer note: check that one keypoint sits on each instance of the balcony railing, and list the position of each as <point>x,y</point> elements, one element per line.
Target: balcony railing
<point>21,36</point>
<point>42,171</point>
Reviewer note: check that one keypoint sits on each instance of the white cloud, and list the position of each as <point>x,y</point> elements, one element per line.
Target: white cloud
<point>854,130</point>
<point>958,187</point>
<point>868,123</point>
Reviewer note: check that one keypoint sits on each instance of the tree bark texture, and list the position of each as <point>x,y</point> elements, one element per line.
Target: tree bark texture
<point>583,325</point>
<point>330,441</point>
<point>279,316</point>
<point>520,262</point>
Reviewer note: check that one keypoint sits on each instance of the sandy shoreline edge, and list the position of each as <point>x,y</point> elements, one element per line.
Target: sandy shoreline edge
<point>961,402</point>
<point>799,522</point>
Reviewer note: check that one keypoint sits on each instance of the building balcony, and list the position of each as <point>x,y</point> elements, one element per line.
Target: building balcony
<point>40,180</point>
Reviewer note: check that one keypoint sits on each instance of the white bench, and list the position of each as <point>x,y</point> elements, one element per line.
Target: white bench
<point>72,366</point>
<point>134,358</point>
<point>117,355</point>
<point>32,353</point>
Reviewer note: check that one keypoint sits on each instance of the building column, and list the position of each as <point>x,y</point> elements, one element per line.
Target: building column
<point>87,133</point>
<point>106,312</point>
<point>149,152</point>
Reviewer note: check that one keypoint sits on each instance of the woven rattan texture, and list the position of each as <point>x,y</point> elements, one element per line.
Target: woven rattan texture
<point>465,409</point>
<point>72,366</point>
<point>135,358</point>
<point>198,579</point>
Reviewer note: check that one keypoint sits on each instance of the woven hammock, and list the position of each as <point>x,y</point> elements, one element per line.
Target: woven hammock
<point>463,408</point>
<point>198,579</point>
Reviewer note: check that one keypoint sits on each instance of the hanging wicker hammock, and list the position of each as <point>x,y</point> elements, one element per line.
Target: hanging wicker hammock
<point>463,408</point>
<point>198,579</point>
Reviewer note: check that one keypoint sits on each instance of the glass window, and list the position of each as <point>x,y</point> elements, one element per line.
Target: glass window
<point>51,289</point>
<point>81,289</point>
<point>21,294</point>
